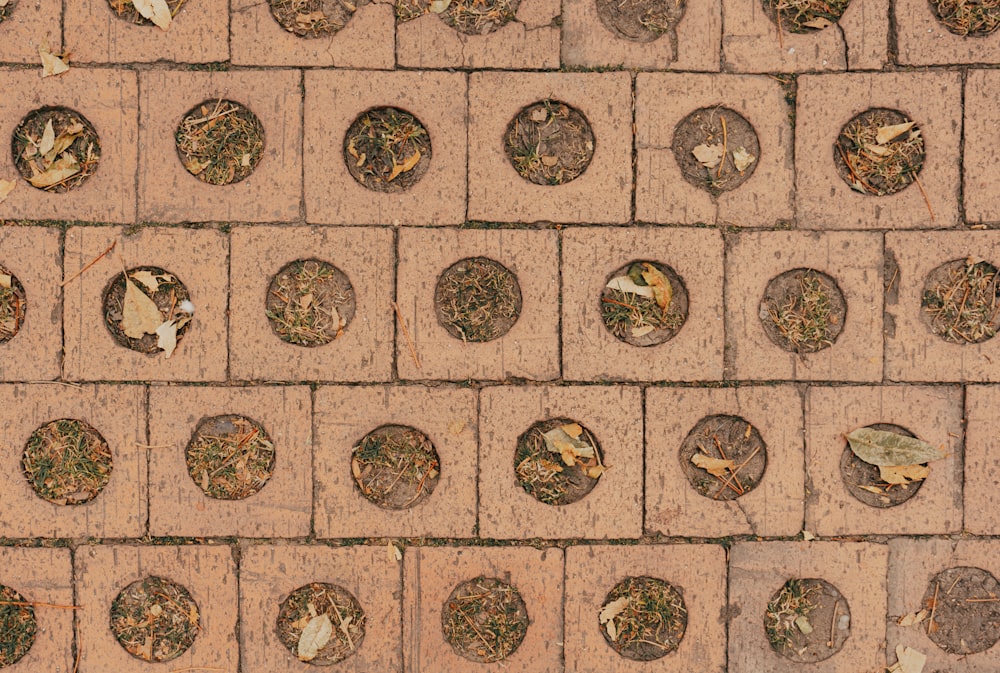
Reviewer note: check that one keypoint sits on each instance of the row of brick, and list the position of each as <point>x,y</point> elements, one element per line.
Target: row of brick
<point>645,490</point>
<point>560,333</point>
<point>545,34</point>
<point>303,177</point>
<point>725,596</point>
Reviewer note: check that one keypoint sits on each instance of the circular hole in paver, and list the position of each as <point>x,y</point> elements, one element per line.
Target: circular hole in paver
<point>959,301</point>
<point>640,20</point>
<point>477,299</point>
<point>807,620</point>
<point>55,149</point>
<point>321,623</point>
<point>484,619</point>
<point>864,481</point>
<point>314,18</point>
<point>155,619</point>
<point>966,611</point>
<point>976,18</point>
<point>18,626</point>
<point>479,17</point>
<point>126,11</point>
<point>716,148</point>
<point>67,462</point>
<point>220,141</point>
<point>723,457</point>
<point>879,152</point>
<point>387,150</point>
<point>644,303</point>
<point>150,299</point>
<point>549,143</point>
<point>643,618</point>
<point>310,303</point>
<point>805,16</point>
<point>13,305</point>
<point>803,310</point>
<point>395,466</point>
<point>6,9</point>
<point>230,457</point>
<point>558,461</point>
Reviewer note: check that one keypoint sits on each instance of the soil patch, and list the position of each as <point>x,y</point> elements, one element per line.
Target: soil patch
<point>640,20</point>
<point>55,149</point>
<point>803,310</point>
<point>170,296</point>
<point>805,16</point>
<point>716,149</point>
<point>735,442</point>
<point>960,303</point>
<point>864,481</point>
<point>220,141</point>
<point>395,466</point>
<point>630,309</point>
<point>968,19</point>
<point>966,610</point>
<point>807,620</point>
<point>477,299</point>
<point>328,608</point>
<point>643,618</point>
<point>155,619</point>
<point>879,152</point>
<point>230,457</point>
<point>387,150</point>
<point>549,143</point>
<point>13,305</point>
<point>558,461</point>
<point>18,626</point>
<point>126,11</point>
<point>310,303</point>
<point>484,619</point>
<point>313,18</point>
<point>479,17</point>
<point>67,462</point>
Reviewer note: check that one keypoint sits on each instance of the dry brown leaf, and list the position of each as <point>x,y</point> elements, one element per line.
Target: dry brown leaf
<point>438,6</point>
<point>642,331</point>
<point>194,167</point>
<point>807,536</point>
<point>351,149</point>
<point>3,3</point>
<point>715,466</point>
<point>550,160</point>
<point>167,337</point>
<point>909,660</point>
<point>456,427</point>
<point>404,167</point>
<point>819,23</point>
<point>903,474</point>
<point>151,280</point>
<point>871,489</point>
<point>877,150</point>
<point>308,19</point>
<point>627,285</point>
<point>663,293</point>
<point>613,609</point>
<point>708,155</point>
<point>139,314</point>
<point>394,554</point>
<point>569,448</point>
<point>5,280</point>
<point>887,133</point>
<point>6,187</point>
<point>48,140</point>
<point>574,430</point>
<point>612,630</point>
<point>61,169</point>
<point>51,64</point>
<point>595,471</point>
<point>156,11</point>
<point>193,615</point>
<point>913,618</point>
<point>539,115</point>
<point>306,300</point>
<point>742,159</point>
<point>314,637</point>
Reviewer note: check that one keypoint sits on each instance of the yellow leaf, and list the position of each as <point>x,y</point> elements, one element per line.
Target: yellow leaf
<point>887,133</point>
<point>151,280</point>
<point>139,314</point>
<point>708,155</point>
<point>909,660</point>
<point>156,11</point>
<point>627,285</point>
<point>63,141</point>
<point>913,618</point>
<point>61,169</point>
<point>569,448</point>
<point>807,536</point>
<point>595,471</point>
<point>613,609</point>
<point>871,489</point>
<point>663,293</point>
<point>394,554</point>
<point>612,630</point>
<point>573,430</point>
<point>742,159</point>
<point>314,637</point>
<point>48,139</point>
<point>714,466</point>
<point>167,337</point>
<point>194,167</point>
<point>351,149</point>
<point>51,64</point>
<point>903,474</point>
<point>404,167</point>
<point>6,187</point>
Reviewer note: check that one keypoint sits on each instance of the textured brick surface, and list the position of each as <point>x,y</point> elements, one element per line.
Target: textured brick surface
<point>982,460</point>
<point>923,39</point>
<point>982,114</point>
<point>23,32</point>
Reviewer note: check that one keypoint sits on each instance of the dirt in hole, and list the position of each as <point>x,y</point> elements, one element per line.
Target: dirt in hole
<point>643,618</point>
<point>67,462</point>
<point>310,303</point>
<point>484,619</point>
<point>13,305</point>
<point>803,310</point>
<point>864,481</point>
<point>631,304</point>
<point>322,602</point>
<point>170,296</point>
<point>966,610</point>
<point>387,150</point>
<point>732,440</point>
<point>807,620</point>
<point>879,152</point>
<point>220,141</point>
<point>477,299</point>
<point>395,466</point>
<point>640,20</point>
<point>716,149</point>
<point>968,18</point>
<point>562,468</point>
<point>230,457</point>
<point>18,626</point>
<point>960,303</point>
<point>313,18</point>
<point>55,149</point>
<point>549,143</point>
<point>805,16</point>
<point>155,619</point>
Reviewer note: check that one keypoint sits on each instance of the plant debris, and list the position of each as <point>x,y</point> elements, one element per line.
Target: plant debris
<point>644,303</point>
<point>908,660</point>
<point>964,605</point>
<point>310,303</point>
<point>890,449</point>
<point>147,12</point>
<point>723,457</point>
<point>716,149</point>
<point>52,64</point>
<point>6,187</point>
<point>395,466</point>
<point>155,619</point>
<point>148,316</point>
<point>807,620</point>
<point>18,625</point>
<point>973,18</point>
<point>644,618</point>
<point>805,16</point>
<point>67,462</point>
<point>874,485</point>
<point>879,152</point>
<point>549,143</point>
<point>803,310</point>
<point>484,620</point>
<point>477,299</point>
<point>471,17</point>
<point>640,20</point>
<point>960,301</point>
<point>387,150</point>
<point>220,141</point>
<point>13,305</point>
<point>56,149</point>
<point>230,457</point>
<point>314,18</point>
<point>558,461</point>
<point>321,623</point>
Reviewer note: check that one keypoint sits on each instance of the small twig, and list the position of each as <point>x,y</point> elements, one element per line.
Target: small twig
<point>725,145</point>
<point>79,653</point>
<point>892,280</point>
<point>738,468</point>
<point>930,620</point>
<point>36,604</point>
<point>61,383</point>
<point>916,179</point>
<point>833,623</point>
<point>90,264</point>
<point>406,334</point>
<point>982,600</point>
<point>718,445</point>
<point>781,43</point>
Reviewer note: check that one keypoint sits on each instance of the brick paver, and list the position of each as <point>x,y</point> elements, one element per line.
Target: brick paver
<point>981,459</point>
<point>982,202</point>
<point>23,32</point>
<point>923,40</point>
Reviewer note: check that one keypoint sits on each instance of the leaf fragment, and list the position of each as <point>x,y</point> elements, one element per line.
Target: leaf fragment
<point>51,64</point>
<point>151,280</point>
<point>456,427</point>
<point>887,133</point>
<point>550,160</point>
<point>913,618</point>
<point>5,280</point>
<point>61,169</point>
<point>314,638</point>
<point>663,292</point>
<point>539,115</point>
<point>627,285</point>
<point>717,467</point>
<point>742,159</point>
<point>908,660</point>
<point>613,609</point>
<point>140,316</point>
<point>570,448</point>
<point>407,165</point>
<point>879,447</point>
<point>903,474</point>
<point>438,6</point>
<point>708,155</point>
<point>167,338</point>
<point>156,11</point>
<point>48,139</point>
<point>394,553</point>
<point>642,331</point>
<point>819,23</point>
<point>6,187</point>
<point>803,625</point>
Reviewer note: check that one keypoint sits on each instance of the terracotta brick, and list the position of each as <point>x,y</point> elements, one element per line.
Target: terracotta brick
<point>118,412</point>
<point>272,193</point>
<point>698,572</point>
<point>981,460</point>
<point>592,352</point>
<point>429,576</point>
<point>912,567</point>
<point>663,195</point>
<point>859,41</point>
<point>43,576</point>
<point>674,507</point>
<point>825,103</point>
<point>34,256</point>
<point>178,506</point>
<point>363,353</point>
<point>854,260</point>
<point>23,31</point>
<point>923,40</point>
<point>448,416</point>
<point>600,195</point>
<point>199,33</point>
<point>270,573</point>
<point>912,351</point>
<point>529,350</point>
<point>588,43</point>
<point>365,42</point>
<point>982,203</point>
<point>933,414</point>
<point>529,41</point>
<point>196,257</point>
<point>209,575</point>
<point>334,99</point>
<point>612,510</point>
<point>759,569</point>
<point>109,100</point>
